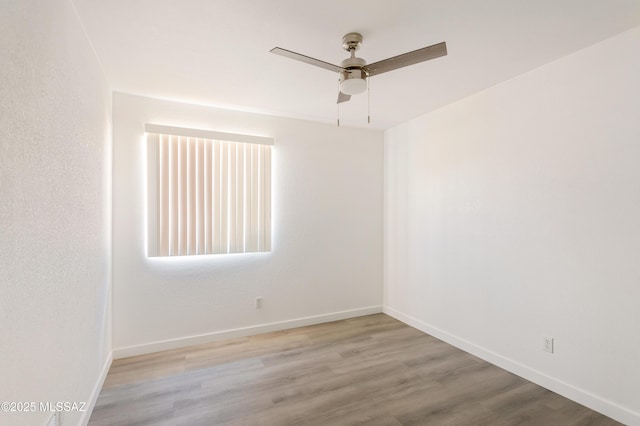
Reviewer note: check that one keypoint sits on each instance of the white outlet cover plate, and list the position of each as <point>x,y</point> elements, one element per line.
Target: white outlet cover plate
<point>53,421</point>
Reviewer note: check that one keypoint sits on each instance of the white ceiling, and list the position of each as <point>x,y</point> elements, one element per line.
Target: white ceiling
<point>216,52</point>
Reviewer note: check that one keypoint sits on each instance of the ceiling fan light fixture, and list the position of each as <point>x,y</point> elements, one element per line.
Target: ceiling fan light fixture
<point>353,86</point>
<point>353,82</point>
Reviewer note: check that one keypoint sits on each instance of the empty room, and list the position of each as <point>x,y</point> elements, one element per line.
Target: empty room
<point>319,212</point>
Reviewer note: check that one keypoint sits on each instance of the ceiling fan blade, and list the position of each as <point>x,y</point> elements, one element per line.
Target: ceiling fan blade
<point>343,98</point>
<point>406,59</point>
<point>306,59</point>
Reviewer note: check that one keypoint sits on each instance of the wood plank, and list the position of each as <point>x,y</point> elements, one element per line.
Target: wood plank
<point>367,370</point>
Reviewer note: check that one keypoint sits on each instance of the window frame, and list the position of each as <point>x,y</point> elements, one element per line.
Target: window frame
<point>256,205</point>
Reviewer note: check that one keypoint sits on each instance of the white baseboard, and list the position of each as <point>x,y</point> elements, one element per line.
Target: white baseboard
<point>567,390</point>
<point>240,332</point>
<point>95,392</point>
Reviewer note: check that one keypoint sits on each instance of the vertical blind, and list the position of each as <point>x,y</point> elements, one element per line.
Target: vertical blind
<point>209,192</point>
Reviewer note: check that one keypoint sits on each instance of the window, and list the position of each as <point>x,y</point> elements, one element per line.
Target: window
<point>208,192</point>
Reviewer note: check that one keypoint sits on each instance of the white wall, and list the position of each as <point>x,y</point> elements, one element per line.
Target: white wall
<point>55,175</point>
<point>326,261</point>
<point>514,214</point>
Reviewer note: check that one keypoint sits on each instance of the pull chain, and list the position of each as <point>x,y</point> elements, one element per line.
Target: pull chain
<point>368,103</point>
<point>338,104</point>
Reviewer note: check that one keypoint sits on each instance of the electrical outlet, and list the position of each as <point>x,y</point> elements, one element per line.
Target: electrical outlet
<point>547,344</point>
<point>259,302</point>
<point>54,421</point>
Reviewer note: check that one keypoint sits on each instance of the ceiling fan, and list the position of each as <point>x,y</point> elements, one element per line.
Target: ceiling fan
<point>354,71</point>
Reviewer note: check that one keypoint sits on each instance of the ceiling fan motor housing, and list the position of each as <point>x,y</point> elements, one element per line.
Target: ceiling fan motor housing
<point>353,77</point>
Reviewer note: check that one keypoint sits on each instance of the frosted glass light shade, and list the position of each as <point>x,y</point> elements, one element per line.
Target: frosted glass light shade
<point>353,86</point>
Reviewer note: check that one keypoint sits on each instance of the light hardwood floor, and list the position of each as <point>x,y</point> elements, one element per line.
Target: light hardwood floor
<point>370,370</point>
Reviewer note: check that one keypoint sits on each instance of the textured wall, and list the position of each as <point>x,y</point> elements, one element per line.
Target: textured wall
<point>54,209</point>
<point>327,231</point>
<point>513,215</point>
